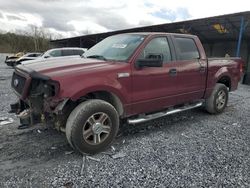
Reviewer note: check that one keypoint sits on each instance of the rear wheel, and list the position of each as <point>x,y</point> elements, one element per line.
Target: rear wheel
<point>92,126</point>
<point>217,101</point>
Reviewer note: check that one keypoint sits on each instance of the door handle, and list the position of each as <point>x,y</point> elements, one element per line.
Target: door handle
<point>202,68</point>
<point>173,72</point>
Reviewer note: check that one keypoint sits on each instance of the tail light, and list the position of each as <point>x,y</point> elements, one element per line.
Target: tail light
<point>241,67</point>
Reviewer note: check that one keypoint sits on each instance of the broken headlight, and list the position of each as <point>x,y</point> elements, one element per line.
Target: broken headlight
<point>48,88</point>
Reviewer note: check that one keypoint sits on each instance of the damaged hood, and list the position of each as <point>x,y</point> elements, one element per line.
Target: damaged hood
<point>56,67</point>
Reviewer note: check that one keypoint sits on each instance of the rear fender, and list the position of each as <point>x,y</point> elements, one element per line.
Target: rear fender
<point>222,72</point>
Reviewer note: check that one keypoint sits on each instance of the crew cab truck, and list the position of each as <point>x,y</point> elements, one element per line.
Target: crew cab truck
<point>135,77</point>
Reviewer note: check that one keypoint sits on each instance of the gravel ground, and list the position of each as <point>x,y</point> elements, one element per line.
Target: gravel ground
<point>189,149</point>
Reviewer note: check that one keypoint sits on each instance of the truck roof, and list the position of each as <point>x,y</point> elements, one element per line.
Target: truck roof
<point>157,33</point>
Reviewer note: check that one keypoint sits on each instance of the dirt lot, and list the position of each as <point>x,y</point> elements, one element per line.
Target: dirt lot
<point>190,149</point>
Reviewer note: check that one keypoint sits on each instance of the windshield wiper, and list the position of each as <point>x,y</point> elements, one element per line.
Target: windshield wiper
<point>97,57</point>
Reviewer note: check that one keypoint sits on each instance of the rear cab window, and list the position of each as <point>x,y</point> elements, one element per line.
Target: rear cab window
<point>186,48</point>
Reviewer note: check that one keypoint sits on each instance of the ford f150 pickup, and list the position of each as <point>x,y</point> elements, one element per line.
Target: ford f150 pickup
<point>134,77</point>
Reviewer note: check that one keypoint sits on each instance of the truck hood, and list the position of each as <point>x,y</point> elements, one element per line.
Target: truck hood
<point>64,66</point>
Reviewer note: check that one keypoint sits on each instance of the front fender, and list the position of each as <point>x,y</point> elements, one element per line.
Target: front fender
<point>97,88</point>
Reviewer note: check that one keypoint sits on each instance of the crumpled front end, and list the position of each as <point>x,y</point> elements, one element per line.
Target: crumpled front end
<point>37,98</point>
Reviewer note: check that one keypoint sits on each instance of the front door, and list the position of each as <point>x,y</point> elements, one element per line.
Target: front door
<point>154,87</point>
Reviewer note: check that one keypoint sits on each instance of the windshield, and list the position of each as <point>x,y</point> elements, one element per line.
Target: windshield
<point>118,47</point>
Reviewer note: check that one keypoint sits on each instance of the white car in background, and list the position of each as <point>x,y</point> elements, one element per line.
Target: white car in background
<point>59,53</point>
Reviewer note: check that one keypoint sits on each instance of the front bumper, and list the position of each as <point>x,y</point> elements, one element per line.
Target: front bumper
<point>56,118</point>
<point>37,103</point>
<point>25,114</point>
<point>10,63</point>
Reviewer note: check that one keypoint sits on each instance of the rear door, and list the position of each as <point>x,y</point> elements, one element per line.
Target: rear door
<point>190,68</point>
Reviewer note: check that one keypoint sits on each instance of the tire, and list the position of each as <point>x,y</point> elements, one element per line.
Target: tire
<point>217,101</point>
<point>92,126</point>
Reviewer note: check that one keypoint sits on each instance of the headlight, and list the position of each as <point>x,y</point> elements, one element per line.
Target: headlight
<point>51,88</point>
<point>44,88</point>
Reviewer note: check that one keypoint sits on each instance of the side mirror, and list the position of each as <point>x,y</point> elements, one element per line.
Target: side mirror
<point>47,56</point>
<point>151,60</point>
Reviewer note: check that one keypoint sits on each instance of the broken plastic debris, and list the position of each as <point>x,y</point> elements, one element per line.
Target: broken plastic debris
<point>93,159</point>
<point>182,134</point>
<point>23,113</point>
<point>69,152</point>
<point>84,165</point>
<point>118,155</point>
<point>6,120</point>
<point>39,131</point>
<point>106,153</point>
<point>113,148</point>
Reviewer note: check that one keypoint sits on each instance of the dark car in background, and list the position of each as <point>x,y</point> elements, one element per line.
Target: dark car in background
<point>27,57</point>
<point>11,59</point>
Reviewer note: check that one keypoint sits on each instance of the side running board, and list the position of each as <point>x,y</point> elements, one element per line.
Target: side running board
<point>149,117</point>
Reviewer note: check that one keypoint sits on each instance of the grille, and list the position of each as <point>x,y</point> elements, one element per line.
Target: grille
<point>18,83</point>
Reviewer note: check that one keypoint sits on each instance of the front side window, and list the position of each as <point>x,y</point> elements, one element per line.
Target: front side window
<point>56,53</point>
<point>117,48</point>
<point>157,46</point>
<point>187,48</point>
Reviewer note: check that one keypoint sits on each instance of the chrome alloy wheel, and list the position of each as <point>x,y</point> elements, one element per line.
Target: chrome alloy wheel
<point>221,99</point>
<point>97,128</point>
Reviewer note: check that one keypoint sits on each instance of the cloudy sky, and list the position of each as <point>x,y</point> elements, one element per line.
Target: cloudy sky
<point>68,18</point>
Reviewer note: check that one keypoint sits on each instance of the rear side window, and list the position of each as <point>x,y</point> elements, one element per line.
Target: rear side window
<point>67,52</point>
<point>78,52</point>
<point>186,48</point>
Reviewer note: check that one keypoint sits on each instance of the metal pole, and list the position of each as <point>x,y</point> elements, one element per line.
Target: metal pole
<point>240,36</point>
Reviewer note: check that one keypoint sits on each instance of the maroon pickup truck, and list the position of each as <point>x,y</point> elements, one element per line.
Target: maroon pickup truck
<point>135,77</point>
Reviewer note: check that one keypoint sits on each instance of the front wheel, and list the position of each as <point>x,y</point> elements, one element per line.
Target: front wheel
<point>217,101</point>
<point>92,126</point>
